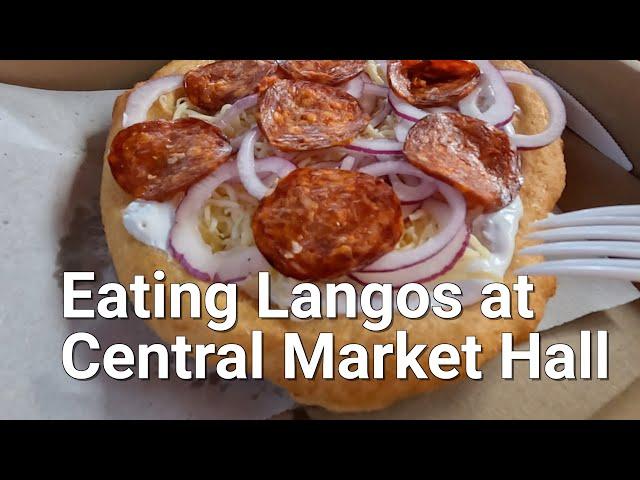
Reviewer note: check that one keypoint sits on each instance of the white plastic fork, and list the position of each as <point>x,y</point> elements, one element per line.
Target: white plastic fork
<point>596,242</point>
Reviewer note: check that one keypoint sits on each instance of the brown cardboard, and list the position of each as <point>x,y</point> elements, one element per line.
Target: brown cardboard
<point>610,90</point>
<point>77,74</point>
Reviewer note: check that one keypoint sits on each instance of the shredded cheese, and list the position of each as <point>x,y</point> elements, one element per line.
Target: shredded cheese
<point>376,74</point>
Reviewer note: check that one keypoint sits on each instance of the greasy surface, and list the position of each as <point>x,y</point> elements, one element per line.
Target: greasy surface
<point>473,156</point>
<point>156,159</point>
<point>432,83</point>
<point>322,224</point>
<point>300,115</point>
<point>216,84</point>
<point>544,174</point>
<point>330,72</point>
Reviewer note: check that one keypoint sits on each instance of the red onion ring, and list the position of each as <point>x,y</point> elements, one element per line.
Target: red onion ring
<point>501,112</point>
<point>355,87</point>
<point>402,129</point>
<point>143,97</point>
<point>185,241</point>
<point>379,117</point>
<point>380,169</point>
<point>406,193</point>
<point>237,141</point>
<point>236,109</point>
<point>247,166</point>
<point>409,194</point>
<point>426,270</point>
<point>378,146</point>
<point>404,109</point>
<point>409,208</point>
<point>554,104</point>
<point>510,131</point>
<point>348,163</point>
<point>377,90</point>
<point>399,259</point>
<point>408,112</point>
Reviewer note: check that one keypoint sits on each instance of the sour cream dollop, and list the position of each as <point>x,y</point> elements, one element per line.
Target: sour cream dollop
<point>150,222</point>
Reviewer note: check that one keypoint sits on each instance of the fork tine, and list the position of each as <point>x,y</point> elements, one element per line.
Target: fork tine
<point>588,233</point>
<point>561,221</point>
<point>587,248</point>
<point>617,210</point>
<point>621,269</point>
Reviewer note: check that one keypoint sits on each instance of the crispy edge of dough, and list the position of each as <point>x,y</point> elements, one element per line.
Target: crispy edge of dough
<point>544,173</point>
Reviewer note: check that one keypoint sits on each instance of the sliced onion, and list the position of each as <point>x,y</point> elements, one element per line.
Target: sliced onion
<point>409,208</point>
<point>378,146</point>
<point>355,87</point>
<point>236,109</point>
<point>185,241</point>
<point>142,98</point>
<point>402,129</point>
<point>399,259</point>
<point>406,193</point>
<point>410,194</point>
<point>237,141</point>
<point>427,269</point>
<point>348,163</point>
<point>363,159</point>
<point>377,90</point>
<point>511,132</point>
<point>379,117</point>
<point>408,112</point>
<point>247,166</point>
<point>405,110</point>
<point>503,107</point>
<point>380,169</point>
<point>555,107</point>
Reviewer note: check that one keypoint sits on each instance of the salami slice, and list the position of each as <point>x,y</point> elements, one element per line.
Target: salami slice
<point>324,223</point>
<point>329,72</point>
<point>433,83</point>
<point>211,86</point>
<point>300,115</point>
<point>157,159</point>
<point>472,156</point>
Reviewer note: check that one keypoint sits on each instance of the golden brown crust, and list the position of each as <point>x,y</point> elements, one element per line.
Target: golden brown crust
<point>544,173</point>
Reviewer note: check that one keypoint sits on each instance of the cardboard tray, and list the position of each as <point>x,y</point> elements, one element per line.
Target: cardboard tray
<point>609,89</point>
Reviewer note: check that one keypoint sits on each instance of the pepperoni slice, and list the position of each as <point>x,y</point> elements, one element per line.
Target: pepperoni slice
<point>433,83</point>
<point>299,115</point>
<point>157,159</point>
<point>324,223</point>
<point>211,86</point>
<point>329,72</point>
<point>472,156</point>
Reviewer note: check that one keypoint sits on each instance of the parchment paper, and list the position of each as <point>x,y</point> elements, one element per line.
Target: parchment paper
<point>51,146</point>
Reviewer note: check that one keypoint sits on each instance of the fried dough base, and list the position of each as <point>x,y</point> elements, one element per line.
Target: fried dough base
<point>544,173</point>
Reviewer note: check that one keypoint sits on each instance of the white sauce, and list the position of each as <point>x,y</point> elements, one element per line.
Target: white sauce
<point>497,231</point>
<point>150,222</point>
